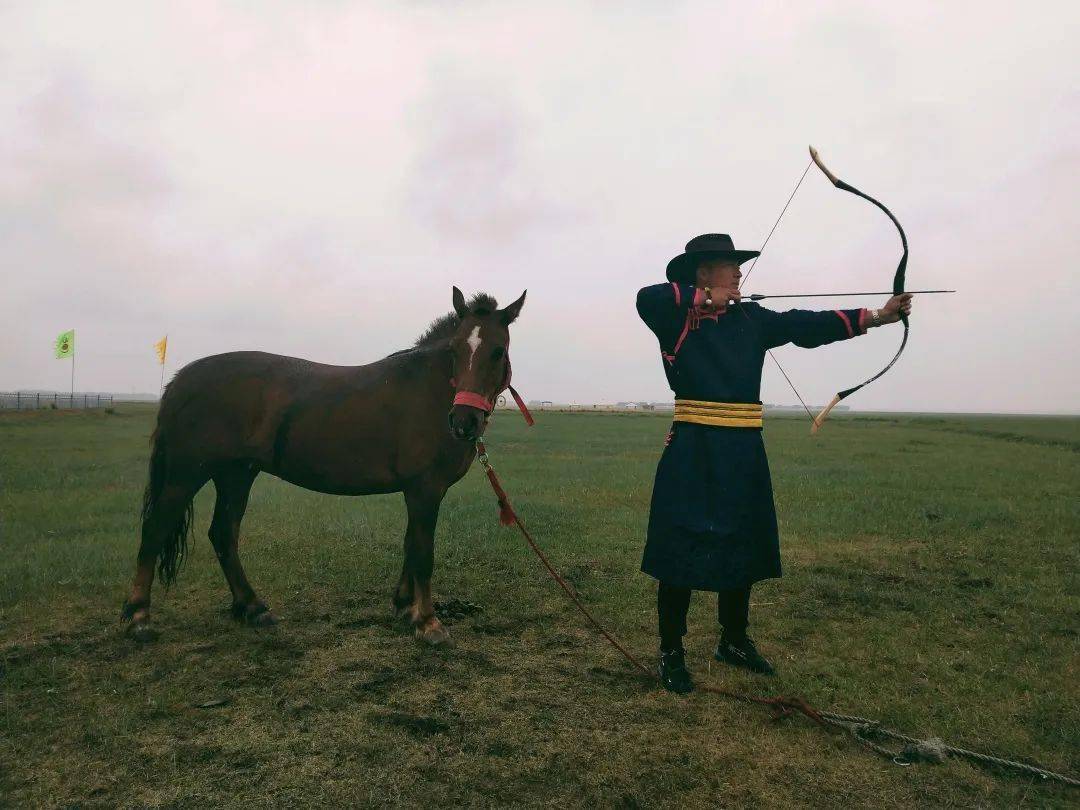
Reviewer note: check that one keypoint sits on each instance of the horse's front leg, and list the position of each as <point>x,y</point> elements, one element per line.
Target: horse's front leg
<point>423,506</point>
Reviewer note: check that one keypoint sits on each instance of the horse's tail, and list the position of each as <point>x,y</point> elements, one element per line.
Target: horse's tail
<point>174,540</point>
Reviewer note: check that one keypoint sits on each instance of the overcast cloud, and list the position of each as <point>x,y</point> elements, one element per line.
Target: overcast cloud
<point>311,179</point>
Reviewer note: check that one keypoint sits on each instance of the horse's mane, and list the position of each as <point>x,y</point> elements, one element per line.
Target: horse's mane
<point>445,325</point>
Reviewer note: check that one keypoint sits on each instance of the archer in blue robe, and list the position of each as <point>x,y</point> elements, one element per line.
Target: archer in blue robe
<point>712,522</point>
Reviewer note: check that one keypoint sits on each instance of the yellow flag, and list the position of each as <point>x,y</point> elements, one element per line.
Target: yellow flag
<point>65,344</point>
<point>160,348</point>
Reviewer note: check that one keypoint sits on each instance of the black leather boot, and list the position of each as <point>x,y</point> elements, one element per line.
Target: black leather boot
<point>743,654</point>
<point>673,673</point>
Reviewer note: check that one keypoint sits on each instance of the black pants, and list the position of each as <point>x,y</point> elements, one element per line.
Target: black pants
<point>672,604</point>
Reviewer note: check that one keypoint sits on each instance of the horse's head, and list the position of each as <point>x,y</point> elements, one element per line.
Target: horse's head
<point>481,365</point>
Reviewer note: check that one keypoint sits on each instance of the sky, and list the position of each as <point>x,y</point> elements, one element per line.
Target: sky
<point>312,178</point>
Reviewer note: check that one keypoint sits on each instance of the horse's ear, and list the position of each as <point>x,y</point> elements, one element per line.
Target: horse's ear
<point>459,304</point>
<point>510,313</point>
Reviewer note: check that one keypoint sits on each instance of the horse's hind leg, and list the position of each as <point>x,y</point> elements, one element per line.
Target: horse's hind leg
<point>423,506</point>
<point>164,529</point>
<point>233,486</point>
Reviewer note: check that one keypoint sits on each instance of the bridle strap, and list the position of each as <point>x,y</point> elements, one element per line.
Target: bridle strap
<point>473,400</point>
<point>479,401</point>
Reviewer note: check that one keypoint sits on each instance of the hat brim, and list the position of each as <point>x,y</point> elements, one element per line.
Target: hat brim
<point>683,268</point>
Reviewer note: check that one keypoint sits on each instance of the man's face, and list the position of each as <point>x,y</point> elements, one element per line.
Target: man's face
<point>719,274</point>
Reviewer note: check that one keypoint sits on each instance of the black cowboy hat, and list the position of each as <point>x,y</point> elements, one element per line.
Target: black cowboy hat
<point>704,248</point>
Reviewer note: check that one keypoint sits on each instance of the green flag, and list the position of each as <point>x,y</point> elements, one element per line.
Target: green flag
<point>65,344</point>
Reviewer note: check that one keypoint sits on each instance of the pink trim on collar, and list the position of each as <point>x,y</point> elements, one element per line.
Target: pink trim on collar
<point>699,307</point>
<point>678,293</point>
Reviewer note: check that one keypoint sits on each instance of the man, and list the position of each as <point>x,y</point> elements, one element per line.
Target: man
<point>712,523</point>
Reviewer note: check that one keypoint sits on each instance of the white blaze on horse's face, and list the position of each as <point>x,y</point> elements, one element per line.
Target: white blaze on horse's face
<point>474,343</point>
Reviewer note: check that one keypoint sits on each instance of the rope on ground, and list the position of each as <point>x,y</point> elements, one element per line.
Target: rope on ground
<point>931,749</point>
<point>862,729</point>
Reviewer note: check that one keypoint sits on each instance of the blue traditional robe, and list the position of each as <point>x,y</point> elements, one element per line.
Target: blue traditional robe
<point>712,522</point>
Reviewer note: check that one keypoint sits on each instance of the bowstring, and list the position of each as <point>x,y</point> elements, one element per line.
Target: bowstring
<point>789,382</point>
<point>753,264</point>
<point>772,230</point>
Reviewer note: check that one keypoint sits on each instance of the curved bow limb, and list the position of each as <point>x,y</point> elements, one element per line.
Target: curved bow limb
<point>821,417</point>
<point>898,286</point>
<point>814,156</point>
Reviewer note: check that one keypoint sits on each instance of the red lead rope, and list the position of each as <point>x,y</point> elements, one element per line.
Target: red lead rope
<point>521,406</point>
<point>781,706</point>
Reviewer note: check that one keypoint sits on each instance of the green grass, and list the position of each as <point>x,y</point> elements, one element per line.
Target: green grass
<point>931,581</point>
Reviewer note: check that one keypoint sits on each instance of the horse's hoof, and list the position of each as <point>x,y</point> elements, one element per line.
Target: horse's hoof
<point>253,614</point>
<point>263,619</point>
<point>139,611</point>
<point>434,634</point>
<point>142,632</point>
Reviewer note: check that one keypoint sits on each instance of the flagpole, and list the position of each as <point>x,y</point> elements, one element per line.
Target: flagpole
<point>72,368</point>
<point>161,386</point>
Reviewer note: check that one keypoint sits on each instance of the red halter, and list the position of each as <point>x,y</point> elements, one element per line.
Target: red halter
<point>474,400</point>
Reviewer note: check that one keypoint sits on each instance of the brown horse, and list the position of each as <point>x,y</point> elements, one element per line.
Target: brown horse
<point>407,423</point>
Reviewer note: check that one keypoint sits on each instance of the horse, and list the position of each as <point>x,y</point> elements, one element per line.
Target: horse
<point>407,423</point>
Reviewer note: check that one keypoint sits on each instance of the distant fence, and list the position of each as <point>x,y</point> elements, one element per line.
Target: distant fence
<point>20,401</point>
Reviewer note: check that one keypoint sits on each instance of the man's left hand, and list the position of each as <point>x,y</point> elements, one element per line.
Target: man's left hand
<point>890,313</point>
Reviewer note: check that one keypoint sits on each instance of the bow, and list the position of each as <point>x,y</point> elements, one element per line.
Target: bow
<point>897,286</point>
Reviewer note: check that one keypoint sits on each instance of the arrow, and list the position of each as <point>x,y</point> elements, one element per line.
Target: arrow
<point>756,297</point>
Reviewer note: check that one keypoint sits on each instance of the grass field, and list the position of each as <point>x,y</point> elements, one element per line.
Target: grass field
<point>931,581</point>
